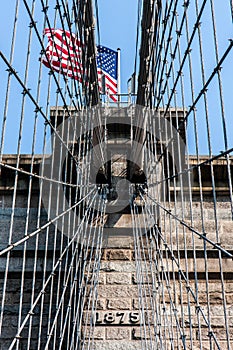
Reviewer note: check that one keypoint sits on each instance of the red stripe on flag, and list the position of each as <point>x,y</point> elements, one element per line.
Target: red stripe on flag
<point>63,53</point>
<point>110,84</point>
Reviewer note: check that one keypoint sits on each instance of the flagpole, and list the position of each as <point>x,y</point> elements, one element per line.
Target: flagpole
<point>119,74</point>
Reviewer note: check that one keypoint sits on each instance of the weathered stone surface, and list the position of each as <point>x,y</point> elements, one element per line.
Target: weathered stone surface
<point>219,332</point>
<point>213,286</point>
<point>100,304</point>
<point>17,264</point>
<point>146,278</point>
<point>118,238</point>
<point>230,320</point>
<point>230,310</point>
<point>138,334</point>
<point>96,333</point>
<point>117,345</point>
<point>118,254</point>
<point>118,333</point>
<point>119,304</point>
<point>205,345</point>
<point>215,298</point>
<point>136,303</point>
<point>101,278</point>
<point>215,320</point>
<point>117,291</point>
<point>200,266</point>
<point>113,266</point>
<point>118,278</point>
<point>222,214</point>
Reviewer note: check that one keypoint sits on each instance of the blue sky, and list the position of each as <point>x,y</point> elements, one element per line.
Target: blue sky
<point>118,27</point>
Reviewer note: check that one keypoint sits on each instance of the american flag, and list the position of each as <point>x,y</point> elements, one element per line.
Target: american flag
<point>63,52</point>
<point>107,67</point>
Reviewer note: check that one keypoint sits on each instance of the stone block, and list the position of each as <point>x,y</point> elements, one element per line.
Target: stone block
<point>118,278</point>
<point>222,214</point>
<point>215,311</point>
<point>230,322</point>
<point>138,334</point>
<point>226,239</point>
<point>8,331</point>
<point>220,334</point>
<point>230,310</point>
<point>215,298</point>
<point>213,286</point>
<point>19,232</point>
<point>136,304</point>
<point>117,333</point>
<point>209,226</point>
<point>145,254</point>
<point>93,333</point>
<point>145,278</point>
<point>5,344</point>
<point>100,304</point>
<point>205,345</point>
<point>117,345</point>
<point>227,227</point>
<point>184,240</point>
<point>101,278</point>
<point>114,266</point>
<point>213,265</point>
<point>125,291</point>
<point>119,304</point>
<point>16,264</point>
<point>118,254</point>
<point>116,239</point>
<point>215,321</point>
